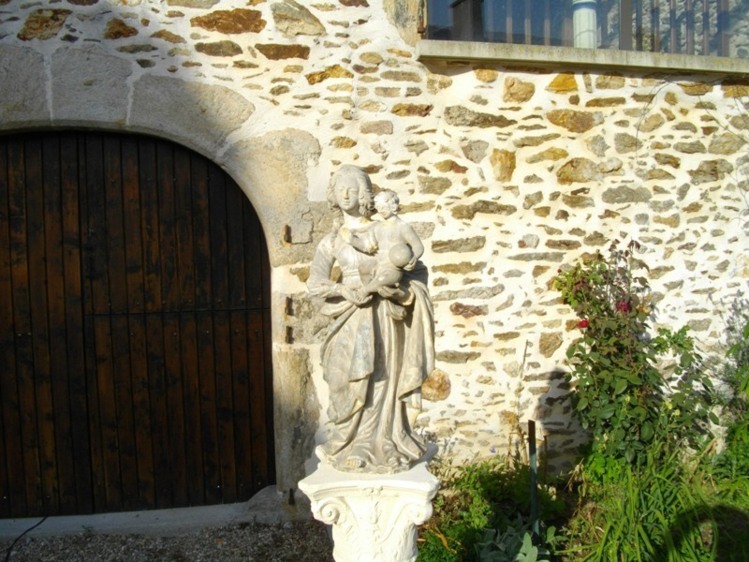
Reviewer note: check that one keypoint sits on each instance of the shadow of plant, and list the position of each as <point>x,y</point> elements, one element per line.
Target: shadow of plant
<point>720,531</point>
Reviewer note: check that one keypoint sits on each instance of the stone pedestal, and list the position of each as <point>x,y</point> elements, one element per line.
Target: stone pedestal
<point>374,516</point>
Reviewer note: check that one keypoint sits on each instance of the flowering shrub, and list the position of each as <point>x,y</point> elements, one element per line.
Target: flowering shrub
<point>620,392</point>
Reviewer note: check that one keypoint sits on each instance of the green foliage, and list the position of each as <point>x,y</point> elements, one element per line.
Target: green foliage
<point>482,512</point>
<point>664,510</point>
<point>513,545</point>
<point>621,394</point>
<point>732,464</point>
<point>736,373</point>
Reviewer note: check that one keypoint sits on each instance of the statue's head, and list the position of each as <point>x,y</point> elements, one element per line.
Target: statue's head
<point>387,203</point>
<point>350,191</point>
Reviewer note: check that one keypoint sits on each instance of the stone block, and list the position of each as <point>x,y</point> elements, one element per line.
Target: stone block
<point>23,94</point>
<point>89,87</point>
<point>197,115</point>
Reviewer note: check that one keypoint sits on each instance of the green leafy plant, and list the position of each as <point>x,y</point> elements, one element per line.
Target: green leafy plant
<point>483,510</point>
<point>622,394</point>
<point>731,465</point>
<point>514,544</point>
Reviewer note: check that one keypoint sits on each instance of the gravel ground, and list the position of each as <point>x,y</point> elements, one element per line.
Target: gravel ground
<point>298,541</point>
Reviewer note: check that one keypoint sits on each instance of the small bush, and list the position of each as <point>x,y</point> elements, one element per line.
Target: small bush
<point>621,395</point>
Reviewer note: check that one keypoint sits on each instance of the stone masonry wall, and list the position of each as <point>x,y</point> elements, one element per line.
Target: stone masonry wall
<point>507,173</point>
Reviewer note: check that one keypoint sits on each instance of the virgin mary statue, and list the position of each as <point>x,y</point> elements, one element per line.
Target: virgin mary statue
<point>379,347</point>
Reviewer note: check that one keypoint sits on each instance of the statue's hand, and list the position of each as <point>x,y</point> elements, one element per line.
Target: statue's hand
<point>355,297</point>
<point>392,293</point>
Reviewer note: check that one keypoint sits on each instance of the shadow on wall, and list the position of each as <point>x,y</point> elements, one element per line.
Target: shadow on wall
<point>563,435</point>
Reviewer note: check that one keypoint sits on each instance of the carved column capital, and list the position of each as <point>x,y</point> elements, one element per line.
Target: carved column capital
<point>374,516</point>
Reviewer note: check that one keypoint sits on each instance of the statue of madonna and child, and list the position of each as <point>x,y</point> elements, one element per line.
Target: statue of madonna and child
<point>380,343</point>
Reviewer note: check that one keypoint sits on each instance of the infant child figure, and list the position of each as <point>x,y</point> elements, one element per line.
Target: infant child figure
<point>396,244</point>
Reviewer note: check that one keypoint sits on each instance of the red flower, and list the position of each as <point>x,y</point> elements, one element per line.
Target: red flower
<point>583,324</point>
<point>623,306</point>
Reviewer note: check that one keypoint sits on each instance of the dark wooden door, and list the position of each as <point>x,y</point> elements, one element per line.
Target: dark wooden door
<point>134,328</point>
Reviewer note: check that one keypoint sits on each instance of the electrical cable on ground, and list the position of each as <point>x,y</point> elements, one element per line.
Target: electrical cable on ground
<point>19,537</point>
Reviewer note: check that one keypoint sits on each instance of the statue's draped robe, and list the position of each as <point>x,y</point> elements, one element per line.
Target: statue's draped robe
<point>375,358</point>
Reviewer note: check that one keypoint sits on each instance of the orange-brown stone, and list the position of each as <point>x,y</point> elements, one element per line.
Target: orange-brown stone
<point>43,24</point>
<point>274,51</point>
<point>239,20</point>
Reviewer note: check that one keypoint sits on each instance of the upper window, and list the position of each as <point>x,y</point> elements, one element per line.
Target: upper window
<point>684,27</point>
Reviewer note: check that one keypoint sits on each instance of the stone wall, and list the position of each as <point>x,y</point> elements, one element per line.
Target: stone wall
<point>507,173</point>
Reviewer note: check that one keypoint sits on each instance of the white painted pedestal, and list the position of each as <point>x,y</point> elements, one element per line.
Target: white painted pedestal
<point>374,516</point>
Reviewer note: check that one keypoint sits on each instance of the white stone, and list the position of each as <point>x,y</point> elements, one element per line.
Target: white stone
<point>374,516</point>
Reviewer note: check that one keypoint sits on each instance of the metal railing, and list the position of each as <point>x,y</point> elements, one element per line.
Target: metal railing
<point>689,27</point>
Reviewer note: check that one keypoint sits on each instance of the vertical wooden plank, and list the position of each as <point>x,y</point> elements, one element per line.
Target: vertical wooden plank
<point>13,499</point>
<point>218,236</point>
<point>205,348</point>
<point>225,405</point>
<point>7,394</point>
<point>154,326</point>
<point>119,325</point>
<point>22,322</point>
<point>236,202</point>
<point>131,192</point>
<point>257,300</point>
<point>165,184</point>
<point>253,258</point>
<point>171,302</point>
<point>209,428</point>
<point>159,419</point>
<point>61,418</point>
<point>176,415</point>
<point>183,211</point>
<point>259,374</point>
<point>241,411</point>
<point>88,261</point>
<point>142,412</point>
<point>40,321</point>
<point>201,234</point>
<point>188,327</point>
<point>192,401</point>
<point>112,492</point>
<point>72,200</point>
<point>101,281</point>
<point>220,293</point>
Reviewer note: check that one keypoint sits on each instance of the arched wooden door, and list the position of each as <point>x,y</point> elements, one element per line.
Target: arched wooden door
<point>134,328</point>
